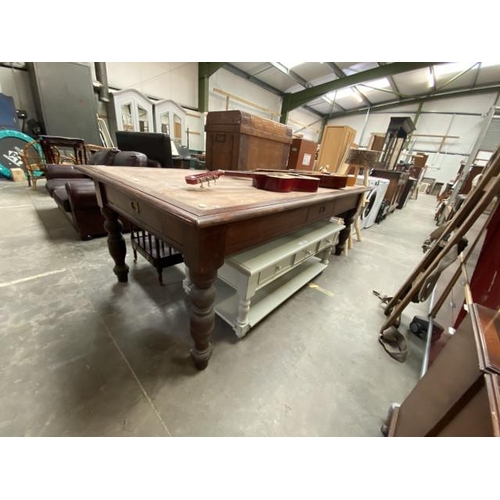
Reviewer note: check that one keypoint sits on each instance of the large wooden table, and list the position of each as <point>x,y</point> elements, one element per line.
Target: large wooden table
<point>207,224</point>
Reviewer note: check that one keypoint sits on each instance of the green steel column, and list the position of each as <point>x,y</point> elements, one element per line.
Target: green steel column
<point>418,113</point>
<point>322,131</point>
<point>202,91</point>
<point>285,108</point>
<point>205,71</point>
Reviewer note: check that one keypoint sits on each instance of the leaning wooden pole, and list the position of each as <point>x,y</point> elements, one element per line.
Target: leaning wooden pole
<point>465,258</point>
<point>491,171</point>
<point>423,273</point>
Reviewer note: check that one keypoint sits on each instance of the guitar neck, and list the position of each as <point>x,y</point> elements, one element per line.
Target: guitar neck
<point>215,174</point>
<point>238,173</point>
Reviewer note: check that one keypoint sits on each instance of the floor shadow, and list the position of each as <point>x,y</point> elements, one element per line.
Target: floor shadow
<point>172,288</point>
<point>157,346</point>
<point>99,396</point>
<point>151,344</point>
<point>57,225</point>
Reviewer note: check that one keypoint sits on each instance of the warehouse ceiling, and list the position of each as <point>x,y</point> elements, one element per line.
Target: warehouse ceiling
<point>334,89</point>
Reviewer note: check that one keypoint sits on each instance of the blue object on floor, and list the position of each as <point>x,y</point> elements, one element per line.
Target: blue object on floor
<point>11,144</point>
<point>8,113</point>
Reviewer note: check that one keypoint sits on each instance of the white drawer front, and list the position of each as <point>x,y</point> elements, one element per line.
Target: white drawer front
<point>306,252</point>
<point>328,241</point>
<point>275,269</point>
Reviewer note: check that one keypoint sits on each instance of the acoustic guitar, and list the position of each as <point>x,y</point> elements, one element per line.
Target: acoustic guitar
<point>326,179</point>
<point>269,181</point>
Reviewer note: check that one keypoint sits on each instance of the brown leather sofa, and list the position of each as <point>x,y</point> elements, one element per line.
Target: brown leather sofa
<point>75,194</point>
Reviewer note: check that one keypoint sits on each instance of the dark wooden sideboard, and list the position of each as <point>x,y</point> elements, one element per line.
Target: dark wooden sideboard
<point>460,393</point>
<point>208,224</point>
<point>396,187</point>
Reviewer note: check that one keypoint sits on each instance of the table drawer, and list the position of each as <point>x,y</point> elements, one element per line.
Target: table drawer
<point>318,212</point>
<point>275,269</point>
<point>328,241</point>
<point>140,212</point>
<point>261,265</point>
<point>306,252</point>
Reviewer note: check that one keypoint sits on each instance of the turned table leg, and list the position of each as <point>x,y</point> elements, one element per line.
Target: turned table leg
<point>325,255</point>
<point>186,282</point>
<point>344,234</point>
<point>241,325</point>
<point>202,320</point>
<point>116,243</point>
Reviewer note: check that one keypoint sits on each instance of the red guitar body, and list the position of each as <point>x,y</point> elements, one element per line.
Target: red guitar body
<point>326,180</point>
<point>276,181</point>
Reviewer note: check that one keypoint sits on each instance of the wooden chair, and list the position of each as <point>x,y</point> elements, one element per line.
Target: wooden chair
<point>360,158</point>
<point>63,150</point>
<point>33,162</point>
<point>93,148</point>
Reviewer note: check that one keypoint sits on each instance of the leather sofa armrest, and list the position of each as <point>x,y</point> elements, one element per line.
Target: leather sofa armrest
<point>130,159</point>
<point>57,171</point>
<point>82,194</point>
<point>154,163</point>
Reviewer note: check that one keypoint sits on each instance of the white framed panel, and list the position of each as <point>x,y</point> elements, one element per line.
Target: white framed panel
<point>134,111</point>
<point>170,118</point>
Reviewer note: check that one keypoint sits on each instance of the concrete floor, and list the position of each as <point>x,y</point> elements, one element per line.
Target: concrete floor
<point>81,355</point>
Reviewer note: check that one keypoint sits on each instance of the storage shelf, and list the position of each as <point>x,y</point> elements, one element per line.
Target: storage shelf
<point>267,298</point>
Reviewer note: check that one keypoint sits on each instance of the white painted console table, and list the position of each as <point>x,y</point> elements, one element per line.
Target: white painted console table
<point>251,284</point>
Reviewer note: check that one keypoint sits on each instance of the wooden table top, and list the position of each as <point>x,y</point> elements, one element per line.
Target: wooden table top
<point>231,198</point>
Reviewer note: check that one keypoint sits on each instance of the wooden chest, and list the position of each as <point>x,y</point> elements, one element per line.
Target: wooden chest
<point>240,141</point>
<point>302,154</point>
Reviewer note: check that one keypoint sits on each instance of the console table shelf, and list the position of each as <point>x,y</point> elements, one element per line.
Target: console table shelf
<point>251,284</point>
<point>266,299</point>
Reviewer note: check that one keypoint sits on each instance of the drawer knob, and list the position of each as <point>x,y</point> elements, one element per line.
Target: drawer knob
<point>278,268</point>
<point>135,206</point>
<point>309,252</point>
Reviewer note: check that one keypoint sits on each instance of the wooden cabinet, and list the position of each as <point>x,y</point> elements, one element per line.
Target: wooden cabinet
<point>396,187</point>
<point>335,143</point>
<point>239,141</point>
<point>302,154</point>
<point>420,160</point>
<point>415,171</point>
<point>397,132</point>
<point>376,142</point>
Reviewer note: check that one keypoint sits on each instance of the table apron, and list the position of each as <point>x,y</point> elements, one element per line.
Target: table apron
<point>237,236</point>
<point>158,222</point>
